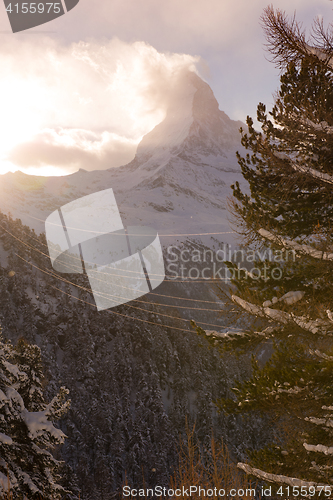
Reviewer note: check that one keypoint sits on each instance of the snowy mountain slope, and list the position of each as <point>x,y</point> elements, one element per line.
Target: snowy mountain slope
<point>178,181</point>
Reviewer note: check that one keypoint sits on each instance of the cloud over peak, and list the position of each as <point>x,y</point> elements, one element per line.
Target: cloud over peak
<point>89,102</point>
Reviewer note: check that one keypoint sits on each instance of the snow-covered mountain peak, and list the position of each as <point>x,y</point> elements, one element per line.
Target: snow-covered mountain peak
<point>193,120</point>
<point>179,179</point>
<point>175,127</point>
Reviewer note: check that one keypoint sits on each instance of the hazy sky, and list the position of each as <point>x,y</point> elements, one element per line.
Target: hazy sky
<point>83,93</point>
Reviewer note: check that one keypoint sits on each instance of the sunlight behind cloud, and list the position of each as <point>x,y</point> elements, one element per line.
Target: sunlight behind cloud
<point>86,105</point>
<point>19,122</point>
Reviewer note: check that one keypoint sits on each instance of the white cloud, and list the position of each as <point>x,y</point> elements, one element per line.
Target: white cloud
<point>72,149</point>
<point>84,105</point>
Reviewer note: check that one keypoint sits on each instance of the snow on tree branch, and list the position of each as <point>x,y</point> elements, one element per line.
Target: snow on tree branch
<point>277,478</point>
<point>224,335</point>
<point>5,483</point>
<point>329,315</point>
<point>302,168</point>
<point>321,54</point>
<point>319,448</point>
<point>315,173</point>
<point>305,249</point>
<point>321,354</point>
<point>38,423</point>
<point>320,421</point>
<point>5,439</point>
<point>251,308</point>
<point>288,298</point>
<point>321,126</point>
<point>313,326</point>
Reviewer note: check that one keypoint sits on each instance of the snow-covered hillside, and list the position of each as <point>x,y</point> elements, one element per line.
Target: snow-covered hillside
<point>177,183</point>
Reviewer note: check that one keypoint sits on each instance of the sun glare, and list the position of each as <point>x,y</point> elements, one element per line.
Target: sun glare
<point>19,120</point>
<point>45,170</point>
<point>82,105</point>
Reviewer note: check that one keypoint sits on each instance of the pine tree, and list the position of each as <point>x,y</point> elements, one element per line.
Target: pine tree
<point>28,359</point>
<point>27,467</point>
<point>290,173</point>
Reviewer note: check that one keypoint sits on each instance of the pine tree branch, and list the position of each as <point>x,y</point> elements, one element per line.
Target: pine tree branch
<point>322,126</point>
<point>288,298</point>
<point>285,39</point>
<point>319,448</point>
<point>327,422</point>
<point>277,478</point>
<point>313,326</point>
<point>306,170</point>
<point>321,354</point>
<point>304,249</point>
<point>330,316</point>
<point>287,43</point>
<point>322,55</point>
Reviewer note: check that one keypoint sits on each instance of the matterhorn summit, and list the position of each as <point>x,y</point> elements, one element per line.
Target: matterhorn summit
<point>194,128</point>
<point>181,175</point>
<point>178,182</point>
